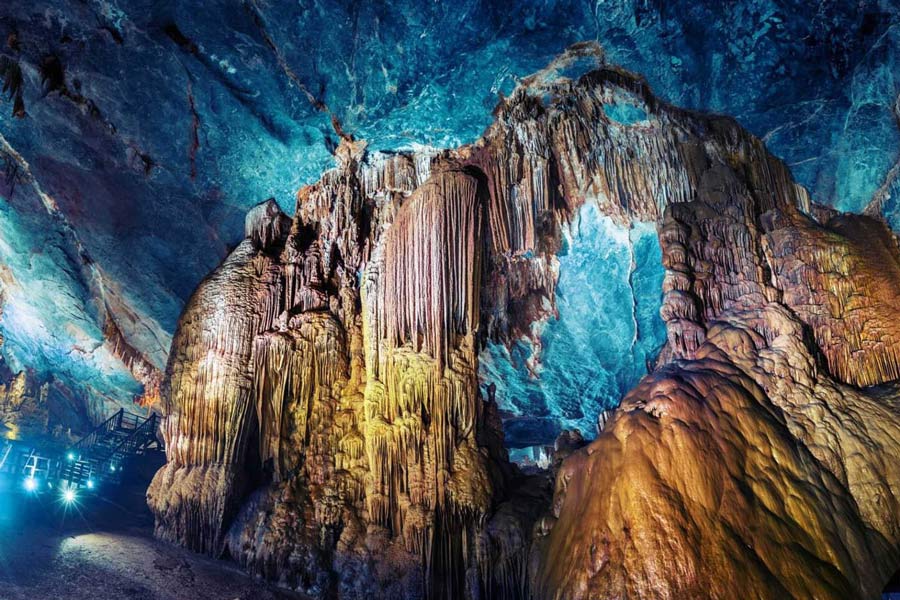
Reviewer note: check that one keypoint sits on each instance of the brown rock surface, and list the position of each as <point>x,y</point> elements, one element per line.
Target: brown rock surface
<point>326,428</point>
<point>739,473</point>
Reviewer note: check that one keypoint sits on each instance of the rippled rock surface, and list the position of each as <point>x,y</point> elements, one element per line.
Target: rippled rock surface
<point>328,429</point>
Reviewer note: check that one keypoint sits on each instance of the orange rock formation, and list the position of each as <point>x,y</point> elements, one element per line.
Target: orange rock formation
<point>326,427</point>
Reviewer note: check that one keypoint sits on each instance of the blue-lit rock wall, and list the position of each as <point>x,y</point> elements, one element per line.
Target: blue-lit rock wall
<point>607,330</point>
<point>153,126</point>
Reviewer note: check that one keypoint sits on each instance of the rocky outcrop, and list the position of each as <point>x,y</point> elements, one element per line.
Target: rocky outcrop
<point>33,408</point>
<point>326,425</point>
<point>208,382</point>
<point>742,472</point>
<point>23,407</point>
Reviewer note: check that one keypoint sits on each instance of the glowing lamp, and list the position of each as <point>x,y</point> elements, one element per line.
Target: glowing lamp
<point>69,496</point>
<point>30,484</point>
<point>70,456</point>
<point>90,484</point>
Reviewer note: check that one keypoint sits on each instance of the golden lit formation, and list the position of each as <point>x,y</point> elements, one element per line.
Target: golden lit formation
<point>326,425</point>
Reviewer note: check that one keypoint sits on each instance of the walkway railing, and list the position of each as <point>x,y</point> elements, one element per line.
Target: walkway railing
<point>97,457</point>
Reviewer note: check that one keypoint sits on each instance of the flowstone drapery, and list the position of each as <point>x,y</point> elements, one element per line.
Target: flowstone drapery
<point>327,428</point>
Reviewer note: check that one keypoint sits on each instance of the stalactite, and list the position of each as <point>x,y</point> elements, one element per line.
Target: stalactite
<point>830,282</point>
<point>432,254</point>
<point>334,358</point>
<point>144,371</point>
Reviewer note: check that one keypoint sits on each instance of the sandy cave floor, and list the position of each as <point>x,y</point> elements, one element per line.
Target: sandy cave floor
<point>103,550</point>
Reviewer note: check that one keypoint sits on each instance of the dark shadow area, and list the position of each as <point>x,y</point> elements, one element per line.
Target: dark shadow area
<point>100,546</point>
<point>892,589</point>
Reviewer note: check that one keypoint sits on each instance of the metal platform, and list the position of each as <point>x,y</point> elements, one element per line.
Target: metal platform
<point>97,459</point>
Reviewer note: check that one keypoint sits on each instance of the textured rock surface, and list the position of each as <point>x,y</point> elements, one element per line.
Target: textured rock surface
<point>327,428</point>
<point>596,345</point>
<point>135,135</point>
<point>35,407</point>
<point>740,473</point>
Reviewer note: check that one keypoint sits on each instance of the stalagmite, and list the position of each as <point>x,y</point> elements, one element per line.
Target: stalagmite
<point>326,426</point>
<point>210,422</point>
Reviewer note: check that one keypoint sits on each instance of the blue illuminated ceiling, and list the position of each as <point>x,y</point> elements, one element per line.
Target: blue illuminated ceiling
<point>152,126</point>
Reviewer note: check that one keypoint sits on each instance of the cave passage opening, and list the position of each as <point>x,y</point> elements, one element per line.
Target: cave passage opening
<point>607,334</point>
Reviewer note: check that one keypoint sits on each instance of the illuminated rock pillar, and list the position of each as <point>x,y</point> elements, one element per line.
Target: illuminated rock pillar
<point>211,421</point>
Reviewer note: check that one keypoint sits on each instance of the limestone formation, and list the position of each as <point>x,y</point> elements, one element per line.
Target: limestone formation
<point>328,431</point>
<point>23,407</point>
<point>33,408</point>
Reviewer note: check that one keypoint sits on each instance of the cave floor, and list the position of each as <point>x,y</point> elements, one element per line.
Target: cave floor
<point>104,549</point>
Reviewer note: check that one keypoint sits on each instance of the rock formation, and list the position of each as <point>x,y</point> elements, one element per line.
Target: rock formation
<point>33,408</point>
<point>133,141</point>
<point>23,407</point>
<point>328,431</point>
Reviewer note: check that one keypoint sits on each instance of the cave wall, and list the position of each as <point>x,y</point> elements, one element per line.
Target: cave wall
<point>326,425</point>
